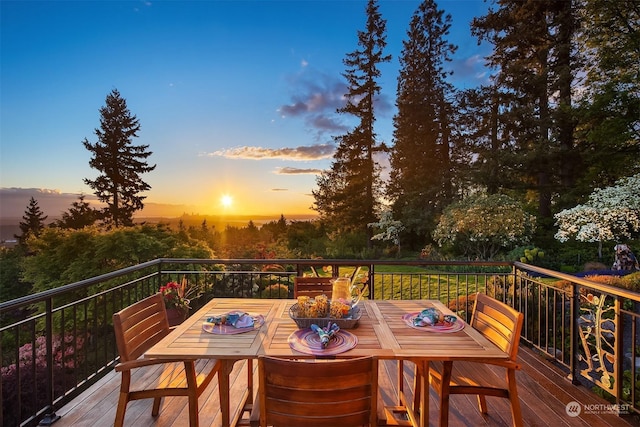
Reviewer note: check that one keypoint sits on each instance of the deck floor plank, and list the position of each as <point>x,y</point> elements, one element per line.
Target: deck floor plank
<point>543,389</point>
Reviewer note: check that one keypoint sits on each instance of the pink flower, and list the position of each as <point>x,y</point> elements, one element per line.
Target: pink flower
<point>175,295</point>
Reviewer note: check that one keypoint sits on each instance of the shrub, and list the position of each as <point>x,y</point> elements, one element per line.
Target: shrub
<point>275,291</point>
<point>463,306</point>
<point>481,226</point>
<point>28,375</point>
<point>594,266</point>
<point>631,281</point>
<point>532,255</point>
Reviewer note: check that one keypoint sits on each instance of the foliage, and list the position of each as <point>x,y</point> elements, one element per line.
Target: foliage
<point>572,256</point>
<point>482,154</point>
<point>119,162</point>
<point>19,377</point>
<point>631,281</point>
<point>532,255</point>
<point>277,229</point>
<point>178,295</point>
<point>11,287</point>
<point>611,213</point>
<point>420,180</point>
<point>528,254</point>
<point>347,245</point>
<point>33,222</point>
<point>79,215</point>
<point>430,253</point>
<point>306,238</point>
<point>347,194</point>
<point>62,256</point>
<point>390,228</point>
<point>277,290</point>
<point>480,226</point>
<point>609,120</point>
<point>532,115</point>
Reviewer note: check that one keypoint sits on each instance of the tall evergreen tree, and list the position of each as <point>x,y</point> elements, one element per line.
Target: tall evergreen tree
<point>119,161</point>
<point>609,128</point>
<point>348,195</point>
<point>33,222</point>
<point>79,215</point>
<point>533,51</point>
<point>481,154</point>
<point>420,179</point>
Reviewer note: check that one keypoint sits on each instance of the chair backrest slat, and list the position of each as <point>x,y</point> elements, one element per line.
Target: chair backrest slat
<point>499,323</point>
<point>140,326</point>
<point>312,286</point>
<point>313,394</point>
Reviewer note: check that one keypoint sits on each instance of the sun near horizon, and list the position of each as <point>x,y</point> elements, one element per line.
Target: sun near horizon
<point>226,201</point>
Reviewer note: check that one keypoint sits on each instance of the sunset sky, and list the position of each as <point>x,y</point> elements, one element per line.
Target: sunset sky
<point>234,98</point>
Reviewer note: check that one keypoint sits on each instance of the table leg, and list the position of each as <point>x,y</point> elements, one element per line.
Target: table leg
<point>250,380</point>
<point>406,413</point>
<point>246,400</point>
<point>223,385</point>
<point>424,387</point>
<point>400,380</point>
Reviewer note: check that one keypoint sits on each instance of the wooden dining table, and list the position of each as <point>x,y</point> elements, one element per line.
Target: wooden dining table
<point>382,331</point>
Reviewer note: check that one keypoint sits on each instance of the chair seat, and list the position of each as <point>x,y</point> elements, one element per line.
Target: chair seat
<point>467,376</point>
<point>170,375</point>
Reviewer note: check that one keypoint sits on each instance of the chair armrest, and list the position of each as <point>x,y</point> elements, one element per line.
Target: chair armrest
<point>509,364</point>
<point>139,363</point>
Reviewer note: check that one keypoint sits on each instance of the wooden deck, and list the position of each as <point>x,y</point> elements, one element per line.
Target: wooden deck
<point>544,393</point>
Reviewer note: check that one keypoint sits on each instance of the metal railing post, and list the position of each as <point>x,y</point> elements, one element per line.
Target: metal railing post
<point>159,277</point>
<point>50,414</point>
<point>575,324</point>
<point>618,369</point>
<point>372,275</point>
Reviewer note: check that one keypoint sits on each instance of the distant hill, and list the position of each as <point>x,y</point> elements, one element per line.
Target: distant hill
<point>10,226</point>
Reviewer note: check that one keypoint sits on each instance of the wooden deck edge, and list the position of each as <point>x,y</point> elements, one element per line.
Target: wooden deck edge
<point>545,372</point>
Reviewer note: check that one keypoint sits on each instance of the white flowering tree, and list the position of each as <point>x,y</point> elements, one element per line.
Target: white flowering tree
<point>390,228</point>
<point>610,214</point>
<point>481,225</point>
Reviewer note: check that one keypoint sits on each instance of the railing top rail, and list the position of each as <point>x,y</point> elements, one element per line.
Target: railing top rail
<point>330,261</point>
<point>44,295</point>
<point>608,289</point>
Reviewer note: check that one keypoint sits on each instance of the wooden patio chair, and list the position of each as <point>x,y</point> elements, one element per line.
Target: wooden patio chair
<point>294,393</point>
<point>501,325</point>
<point>137,328</point>
<point>312,286</point>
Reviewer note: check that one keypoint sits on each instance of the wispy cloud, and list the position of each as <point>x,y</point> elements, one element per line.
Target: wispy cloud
<point>470,71</point>
<point>297,171</point>
<point>315,97</point>
<point>302,153</point>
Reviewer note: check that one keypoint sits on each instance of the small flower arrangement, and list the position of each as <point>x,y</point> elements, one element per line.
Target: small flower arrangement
<point>175,295</point>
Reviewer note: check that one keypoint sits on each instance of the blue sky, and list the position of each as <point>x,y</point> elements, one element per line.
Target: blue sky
<point>233,97</point>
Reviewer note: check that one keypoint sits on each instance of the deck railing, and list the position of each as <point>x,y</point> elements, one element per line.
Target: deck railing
<point>56,343</point>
